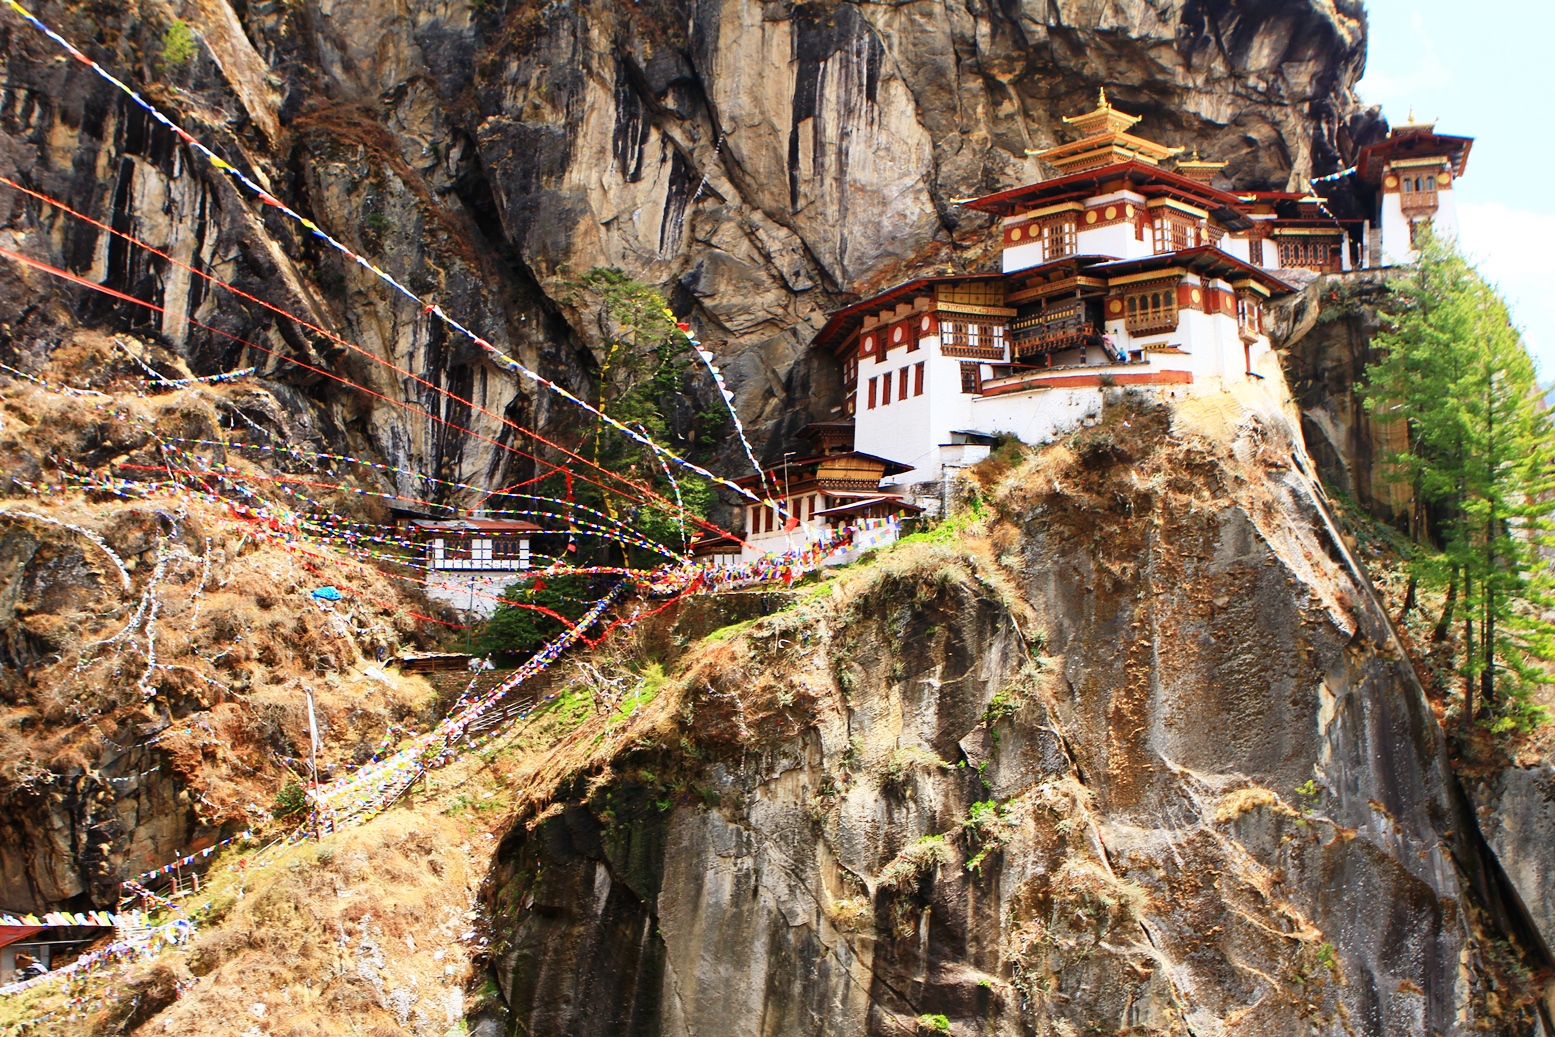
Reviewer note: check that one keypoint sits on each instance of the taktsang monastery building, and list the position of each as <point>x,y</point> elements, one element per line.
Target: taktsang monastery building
<point>1119,271</point>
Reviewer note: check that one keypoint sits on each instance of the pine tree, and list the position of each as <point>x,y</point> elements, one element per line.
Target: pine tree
<point>641,378</point>
<point>1480,460</point>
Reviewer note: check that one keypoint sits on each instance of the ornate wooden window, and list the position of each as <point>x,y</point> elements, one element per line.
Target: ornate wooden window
<point>972,378</point>
<point>1418,193</point>
<point>1415,227</point>
<point>1255,252</point>
<point>1249,315</point>
<point>1151,309</point>
<point>1310,253</point>
<point>885,389</point>
<point>972,340</point>
<point>1173,232</point>
<point>872,393</point>
<point>901,384</point>
<point>925,326</point>
<point>1062,325</point>
<point>917,378</point>
<point>1058,237</point>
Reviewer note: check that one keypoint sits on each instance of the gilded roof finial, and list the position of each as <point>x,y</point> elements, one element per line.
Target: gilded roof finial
<point>1101,98</point>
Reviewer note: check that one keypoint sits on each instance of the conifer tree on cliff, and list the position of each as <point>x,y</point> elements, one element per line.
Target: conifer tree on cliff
<point>1481,463</point>
<point>642,377</point>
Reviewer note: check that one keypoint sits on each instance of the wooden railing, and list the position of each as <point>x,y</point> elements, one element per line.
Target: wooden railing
<point>1039,335</point>
<point>1150,322</point>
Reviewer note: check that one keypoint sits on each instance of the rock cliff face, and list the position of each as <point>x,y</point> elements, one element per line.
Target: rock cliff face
<point>755,160</point>
<point>1517,814</point>
<point>1324,335</point>
<point>1140,755</point>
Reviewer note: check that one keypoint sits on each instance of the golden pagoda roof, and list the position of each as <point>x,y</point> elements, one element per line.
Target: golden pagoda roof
<point>1105,142</point>
<point>1412,125</point>
<point>1103,118</point>
<point>1199,169</point>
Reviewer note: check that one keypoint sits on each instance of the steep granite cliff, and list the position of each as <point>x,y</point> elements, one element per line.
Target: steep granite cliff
<point>756,161</point>
<point>1138,753</point>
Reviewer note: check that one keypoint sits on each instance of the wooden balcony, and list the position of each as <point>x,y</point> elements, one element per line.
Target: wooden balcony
<point>1034,336</point>
<point>1151,323</point>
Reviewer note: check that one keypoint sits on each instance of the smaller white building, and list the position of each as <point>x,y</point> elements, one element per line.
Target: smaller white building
<point>469,561</point>
<point>1413,172</point>
<point>814,498</point>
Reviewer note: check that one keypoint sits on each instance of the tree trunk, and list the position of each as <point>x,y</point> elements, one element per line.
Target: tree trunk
<point>1445,623</point>
<point>1487,647</point>
<point>1409,600</point>
<point>1468,657</point>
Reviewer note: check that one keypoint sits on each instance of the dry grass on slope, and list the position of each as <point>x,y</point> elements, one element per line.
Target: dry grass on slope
<point>170,634</point>
<point>371,931</point>
<point>211,650</point>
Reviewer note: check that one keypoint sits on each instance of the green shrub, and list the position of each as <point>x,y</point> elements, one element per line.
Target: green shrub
<point>178,44</point>
<point>918,859</point>
<point>290,801</point>
<point>903,761</point>
<point>517,631</point>
<point>933,1024</point>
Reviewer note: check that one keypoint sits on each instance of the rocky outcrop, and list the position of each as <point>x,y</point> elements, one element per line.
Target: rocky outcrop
<point>1516,809</point>
<point>756,160</point>
<point>1141,755</point>
<point>1323,335</point>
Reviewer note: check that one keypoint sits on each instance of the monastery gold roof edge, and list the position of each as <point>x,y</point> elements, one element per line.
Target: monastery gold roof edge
<point>1416,163</point>
<point>1173,203</point>
<point>1048,210</point>
<point>1104,141</point>
<point>1129,169</point>
<point>1162,274</point>
<point>1102,115</point>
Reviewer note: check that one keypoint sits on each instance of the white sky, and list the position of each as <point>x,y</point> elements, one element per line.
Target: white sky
<point>1477,69</point>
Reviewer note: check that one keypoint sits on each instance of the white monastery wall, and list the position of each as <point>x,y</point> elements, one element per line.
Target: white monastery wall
<point>1241,248</point>
<point>1019,257</point>
<point>1040,415</point>
<point>1395,232</point>
<point>1116,239</point>
<point>475,592</point>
